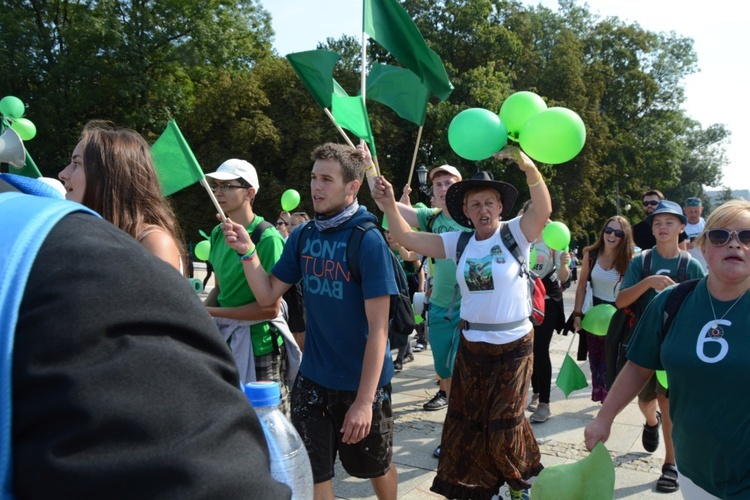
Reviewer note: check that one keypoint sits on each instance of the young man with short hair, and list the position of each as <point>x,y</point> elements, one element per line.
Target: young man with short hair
<point>257,346</point>
<point>341,400</point>
<point>667,222</point>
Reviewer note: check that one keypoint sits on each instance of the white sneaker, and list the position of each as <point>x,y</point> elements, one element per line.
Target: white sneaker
<point>541,414</point>
<point>534,402</point>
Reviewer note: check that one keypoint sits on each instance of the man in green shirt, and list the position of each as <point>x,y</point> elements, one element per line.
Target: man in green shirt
<point>257,347</point>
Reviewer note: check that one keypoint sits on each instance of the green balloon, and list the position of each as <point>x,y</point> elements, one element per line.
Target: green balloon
<point>518,109</point>
<point>661,376</point>
<point>532,257</point>
<point>597,319</point>
<point>556,235</point>
<point>12,107</point>
<point>289,200</point>
<point>202,250</point>
<point>477,134</point>
<point>553,136</point>
<point>25,129</point>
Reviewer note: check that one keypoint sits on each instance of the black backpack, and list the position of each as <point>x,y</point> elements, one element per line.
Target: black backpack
<point>401,315</point>
<point>623,322</point>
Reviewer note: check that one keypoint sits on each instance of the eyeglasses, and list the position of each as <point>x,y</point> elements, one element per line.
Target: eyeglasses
<point>653,203</point>
<point>224,187</point>
<point>720,237</point>
<point>619,233</point>
<point>301,214</point>
<point>281,223</point>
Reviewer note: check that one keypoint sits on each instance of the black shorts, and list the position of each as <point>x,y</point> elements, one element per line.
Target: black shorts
<point>318,415</point>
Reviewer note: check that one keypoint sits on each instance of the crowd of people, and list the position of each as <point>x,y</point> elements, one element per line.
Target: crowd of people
<point>286,307</point>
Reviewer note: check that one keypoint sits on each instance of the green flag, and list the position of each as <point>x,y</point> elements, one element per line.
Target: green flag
<point>386,22</point>
<point>591,478</point>
<point>174,161</point>
<point>570,378</point>
<point>315,69</point>
<point>400,90</point>
<point>29,168</point>
<point>350,113</point>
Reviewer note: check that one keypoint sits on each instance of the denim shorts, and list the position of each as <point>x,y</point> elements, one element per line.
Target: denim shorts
<point>318,415</point>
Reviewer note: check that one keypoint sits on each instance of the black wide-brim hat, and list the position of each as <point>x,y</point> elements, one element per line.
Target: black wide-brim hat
<point>454,198</point>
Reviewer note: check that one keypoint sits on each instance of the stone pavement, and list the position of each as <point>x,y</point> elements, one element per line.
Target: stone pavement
<point>417,432</point>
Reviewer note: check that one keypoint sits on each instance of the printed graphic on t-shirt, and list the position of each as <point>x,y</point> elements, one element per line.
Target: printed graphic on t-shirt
<point>478,274</point>
<point>324,268</point>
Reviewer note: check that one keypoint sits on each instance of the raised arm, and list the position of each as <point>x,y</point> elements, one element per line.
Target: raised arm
<point>427,244</point>
<point>534,219</point>
<point>267,288</point>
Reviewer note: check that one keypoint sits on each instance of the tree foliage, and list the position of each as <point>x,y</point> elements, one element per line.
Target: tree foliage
<point>210,66</point>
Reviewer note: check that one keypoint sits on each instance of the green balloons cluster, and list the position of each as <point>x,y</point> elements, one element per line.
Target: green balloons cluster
<point>289,200</point>
<point>518,109</point>
<point>553,136</point>
<point>597,319</point>
<point>556,235</point>
<point>477,133</point>
<point>203,249</point>
<point>12,107</point>
<point>25,129</point>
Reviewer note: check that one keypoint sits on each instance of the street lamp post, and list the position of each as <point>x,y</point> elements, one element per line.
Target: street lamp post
<point>422,178</point>
<point>629,202</point>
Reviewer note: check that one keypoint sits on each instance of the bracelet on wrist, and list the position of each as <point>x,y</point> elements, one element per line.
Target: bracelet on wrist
<point>538,181</point>
<point>247,257</point>
<point>577,314</point>
<point>371,167</point>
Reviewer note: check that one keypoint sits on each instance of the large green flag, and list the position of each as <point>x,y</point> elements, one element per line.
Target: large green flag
<point>571,377</point>
<point>350,113</point>
<point>315,69</point>
<point>400,90</point>
<point>591,478</point>
<point>174,161</point>
<point>386,22</point>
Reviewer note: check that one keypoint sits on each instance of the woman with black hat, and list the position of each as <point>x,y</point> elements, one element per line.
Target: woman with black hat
<point>486,440</point>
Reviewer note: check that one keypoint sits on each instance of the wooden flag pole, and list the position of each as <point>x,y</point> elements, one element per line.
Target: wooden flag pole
<point>341,130</point>
<point>414,158</point>
<point>573,337</point>
<point>204,183</point>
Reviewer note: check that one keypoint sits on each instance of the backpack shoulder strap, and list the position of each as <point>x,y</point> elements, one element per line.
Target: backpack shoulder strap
<point>674,302</point>
<point>258,231</point>
<point>682,266</point>
<point>593,254</point>
<point>646,259</point>
<point>352,248</point>
<point>463,240</point>
<point>26,220</point>
<point>304,235</point>
<point>510,243</point>
<point>431,220</point>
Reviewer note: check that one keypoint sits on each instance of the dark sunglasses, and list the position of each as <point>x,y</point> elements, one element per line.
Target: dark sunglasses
<point>282,223</point>
<point>720,237</point>
<point>653,203</point>
<point>619,233</point>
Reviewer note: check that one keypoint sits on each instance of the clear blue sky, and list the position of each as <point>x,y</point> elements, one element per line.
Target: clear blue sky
<point>717,94</point>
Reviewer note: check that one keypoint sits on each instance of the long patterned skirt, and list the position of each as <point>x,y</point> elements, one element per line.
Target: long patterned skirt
<point>487,440</point>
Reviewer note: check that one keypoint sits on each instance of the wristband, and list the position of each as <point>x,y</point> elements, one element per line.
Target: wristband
<point>372,166</point>
<point>577,314</point>
<point>248,256</point>
<point>538,181</point>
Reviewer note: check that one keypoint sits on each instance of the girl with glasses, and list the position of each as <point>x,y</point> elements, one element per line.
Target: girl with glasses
<point>603,265</point>
<point>704,352</point>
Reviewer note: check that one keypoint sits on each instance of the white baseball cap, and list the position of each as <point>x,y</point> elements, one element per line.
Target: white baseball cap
<point>237,169</point>
<point>445,168</point>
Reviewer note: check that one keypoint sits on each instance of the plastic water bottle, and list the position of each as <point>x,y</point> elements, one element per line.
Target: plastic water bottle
<point>289,461</point>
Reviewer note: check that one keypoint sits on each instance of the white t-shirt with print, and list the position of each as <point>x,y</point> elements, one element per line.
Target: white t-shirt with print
<point>492,289</point>
<point>694,230</point>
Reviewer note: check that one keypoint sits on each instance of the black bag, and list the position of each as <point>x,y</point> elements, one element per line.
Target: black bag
<point>401,315</point>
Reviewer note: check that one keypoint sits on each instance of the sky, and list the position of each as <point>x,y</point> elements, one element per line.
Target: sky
<point>714,95</point>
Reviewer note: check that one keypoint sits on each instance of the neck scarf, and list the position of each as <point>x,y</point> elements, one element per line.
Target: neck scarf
<point>323,223</point>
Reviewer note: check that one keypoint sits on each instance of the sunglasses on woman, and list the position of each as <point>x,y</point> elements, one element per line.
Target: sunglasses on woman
<point>619,233</point>
<point>720,237</point>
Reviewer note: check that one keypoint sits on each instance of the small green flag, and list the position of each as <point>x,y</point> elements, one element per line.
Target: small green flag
<point>174,161</point>
<point>350,113</point>
<point>315,69</point>
<point>570,378</point>
<point>29,168</point>
<point>400,90</point>
<point>386,22</point>
<point>591,478</point>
